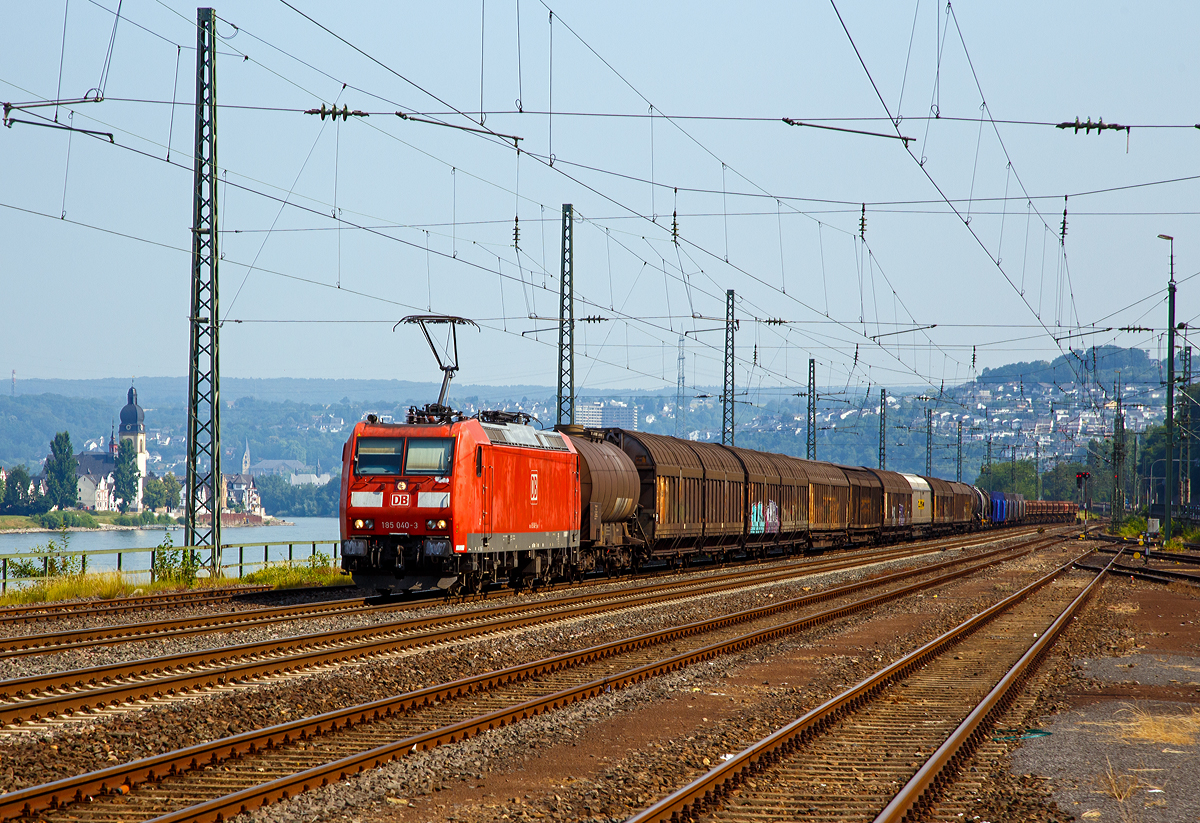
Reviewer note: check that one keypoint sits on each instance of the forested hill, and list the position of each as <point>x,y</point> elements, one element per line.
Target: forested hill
<point>309,433</point>
<point>29,423</point>
<point>1097,364</point>
<point>172,391</point>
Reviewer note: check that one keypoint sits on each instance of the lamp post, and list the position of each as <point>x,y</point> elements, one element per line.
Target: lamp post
<point>1170,388</point>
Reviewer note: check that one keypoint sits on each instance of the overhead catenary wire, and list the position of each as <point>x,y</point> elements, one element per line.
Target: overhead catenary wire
<point>239,186</point>
<point>342,224</point>
<point>929,177</point>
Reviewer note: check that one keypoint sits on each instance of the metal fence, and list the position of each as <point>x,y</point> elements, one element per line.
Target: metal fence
<point>1188,513</point>
<point>201,555</point>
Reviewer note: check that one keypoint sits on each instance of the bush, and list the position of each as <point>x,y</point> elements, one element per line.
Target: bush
<point>146,518</point>
<point>72,520</point>
<point>174,565</point>
<point>1133,526</point>
<point>51,560</point>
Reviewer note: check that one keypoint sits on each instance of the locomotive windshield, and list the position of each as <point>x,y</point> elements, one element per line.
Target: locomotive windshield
<point>379,455</point>
<point>432,455</point>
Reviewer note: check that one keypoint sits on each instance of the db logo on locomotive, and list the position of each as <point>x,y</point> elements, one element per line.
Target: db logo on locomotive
<point>400,500</point>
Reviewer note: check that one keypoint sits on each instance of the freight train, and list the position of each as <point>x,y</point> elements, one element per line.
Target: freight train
<point>455,503</point>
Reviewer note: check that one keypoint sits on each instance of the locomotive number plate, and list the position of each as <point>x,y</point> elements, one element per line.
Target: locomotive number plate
<point>400,525</point>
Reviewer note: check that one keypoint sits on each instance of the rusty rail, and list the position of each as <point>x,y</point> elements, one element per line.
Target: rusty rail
<point>118,605</point>
<point>710,789</point>
<point>74,639</point>
<point>155,677</point>
<point>27,801</point>
<point>1147,573</point>
<point>943,764</point>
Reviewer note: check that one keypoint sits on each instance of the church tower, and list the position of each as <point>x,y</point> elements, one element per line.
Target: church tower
<point>246,459</point>
<point>133,428</point>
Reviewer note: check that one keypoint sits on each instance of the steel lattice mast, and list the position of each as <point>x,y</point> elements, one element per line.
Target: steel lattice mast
<point>1185,427</point>
<point>204,479</point>
<point>929,442</point>
<point>680,403</point>
<point>1118,498</point>
<point>810,450</point>
<point>958,470</point>
<point>1169,485</point>
<point>883,428</point>
<point>727,397</point>
<point>566,322</point>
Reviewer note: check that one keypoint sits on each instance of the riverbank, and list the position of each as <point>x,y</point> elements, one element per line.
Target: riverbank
<point>102,544</point>
<point>19,524</point>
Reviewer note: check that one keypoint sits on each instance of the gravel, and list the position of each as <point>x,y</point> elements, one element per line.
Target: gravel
<point>1065,776</point>
<point>640,777</point>
<point>86,744</point>
<point>1143,669</point>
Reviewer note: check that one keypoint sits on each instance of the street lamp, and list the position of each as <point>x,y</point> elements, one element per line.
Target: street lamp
<point>1170,386</point>
<point>1152,476</point>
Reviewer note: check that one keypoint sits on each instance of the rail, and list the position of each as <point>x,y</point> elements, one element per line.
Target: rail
<point>23,561</point>
<point>124,778</point>
<point>917,795</point>
<point>711,789</point>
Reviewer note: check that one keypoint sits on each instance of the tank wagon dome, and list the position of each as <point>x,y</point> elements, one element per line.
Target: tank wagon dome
<point>133,419</point>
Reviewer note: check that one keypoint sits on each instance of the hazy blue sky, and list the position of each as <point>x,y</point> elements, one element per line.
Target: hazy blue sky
<point>767,209</point>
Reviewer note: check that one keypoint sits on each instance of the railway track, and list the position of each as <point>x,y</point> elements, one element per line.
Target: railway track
<point>1156,550</point>
<point>1156,553</point>
<point>76,639</point>
<point>88,690</point>
<point>1141,571</point>
<point>215,780</point>
<point>883,749</point>
<point>120,605</point>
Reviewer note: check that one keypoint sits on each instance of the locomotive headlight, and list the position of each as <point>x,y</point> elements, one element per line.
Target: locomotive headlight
<point>370,524</point>
<point>431,524</point>
<point>441,524</point>
<point>358,524</point>
<point>401,485</point>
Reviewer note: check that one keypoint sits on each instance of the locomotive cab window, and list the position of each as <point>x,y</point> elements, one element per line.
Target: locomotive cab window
<point>429,455</point>
<point>379,455</point>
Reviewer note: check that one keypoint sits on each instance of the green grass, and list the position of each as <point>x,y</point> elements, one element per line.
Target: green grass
<point>132,519</point>
<point>101,585</point>
<point>107,585</point>
<point>1133,527</point>
<point>316,572</point>
<point>11,522</point>
<point>71,519</point>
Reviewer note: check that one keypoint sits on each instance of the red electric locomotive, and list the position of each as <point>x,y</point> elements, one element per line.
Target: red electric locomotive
<point>455,503</point>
